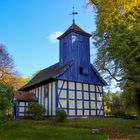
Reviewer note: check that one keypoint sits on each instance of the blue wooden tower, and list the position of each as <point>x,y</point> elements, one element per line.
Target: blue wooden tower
<point>74,46</point>
<point>72,84</point>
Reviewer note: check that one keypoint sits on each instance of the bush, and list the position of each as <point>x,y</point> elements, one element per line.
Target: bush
<point>36,111</point>
<point>6,101</point>
<point>6,97</point>
<point>60,115</point>
<point>2,118</point>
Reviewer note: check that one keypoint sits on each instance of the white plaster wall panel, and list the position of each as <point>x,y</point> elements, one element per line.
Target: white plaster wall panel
<point>71,103</point>
<point>22,103</point>
<point>61,82</point>
<point>21,114</point>
<point>72,112</point>
<point>92,87</point>
<point>99,97</point>
<point>34,92</point>
<point>86,112</point>
<point>86,104</point>
<point>98,88</point>
<point>86,87</point>
<point>49,98</point>
<point>101,113</point>
<point>79,95</point>
<point>54,99</point>
<point>63,93</point>
<point>92,96</point>
<point>99,105</point>
<point>63,103</point>
<point>46,105</point>
<point>79,104</point>
<point>43,95</point>
<point>37,92</point>
<point>72,94</point>
<point>93,112</point>
<point>79,112</point>
<point>71,85</point>
<point>86,95</point>
<point>65,84</point>
<point>79,86</point>
<point>40,90</point>
<point>92,104</point>
<point>39,98</point>
<point>21,109</point>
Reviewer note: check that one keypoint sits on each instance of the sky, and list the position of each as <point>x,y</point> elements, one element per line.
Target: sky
<point>28,29</point>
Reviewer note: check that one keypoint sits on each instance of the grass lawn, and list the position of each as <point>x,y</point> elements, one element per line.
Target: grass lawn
<point>48,130</point>
<point>30,130</point>
<point>116,124</point>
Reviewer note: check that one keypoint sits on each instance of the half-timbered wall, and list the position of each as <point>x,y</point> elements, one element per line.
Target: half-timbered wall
<point>80,99</point>
<point>77,99</point>
<point>46,97</point>
<point>20,108</point>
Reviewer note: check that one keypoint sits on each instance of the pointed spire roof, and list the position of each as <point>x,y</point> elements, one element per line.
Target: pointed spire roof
<point>74,28</point>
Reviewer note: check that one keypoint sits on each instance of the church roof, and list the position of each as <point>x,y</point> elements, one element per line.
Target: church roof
<point>51,73</point>
<point>24,96</point>
<point>45,75</point>
<point>98,74</point>
<point>74,28</point>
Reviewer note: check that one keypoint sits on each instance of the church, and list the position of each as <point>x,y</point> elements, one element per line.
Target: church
<point>73,84</point>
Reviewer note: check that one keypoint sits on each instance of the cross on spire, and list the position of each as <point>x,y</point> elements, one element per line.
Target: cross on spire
<point>73,14</point>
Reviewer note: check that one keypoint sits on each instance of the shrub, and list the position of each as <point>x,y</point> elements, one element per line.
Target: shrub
<point>36,111</point>
<point>60,115</point>
<point>6,101</point>
<point>6,97</point>
<point>2,118</point>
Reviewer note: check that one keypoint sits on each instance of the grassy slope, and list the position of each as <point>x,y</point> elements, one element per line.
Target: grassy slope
<point>42,130</point>
<point>26,130</point>
<point>117,124</point>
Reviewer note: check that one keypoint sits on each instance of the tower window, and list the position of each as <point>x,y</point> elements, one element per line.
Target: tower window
<point>74,38</point>
<point>83,71</point>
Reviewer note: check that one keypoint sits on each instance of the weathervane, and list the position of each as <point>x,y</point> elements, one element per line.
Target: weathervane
<point>74,13</point>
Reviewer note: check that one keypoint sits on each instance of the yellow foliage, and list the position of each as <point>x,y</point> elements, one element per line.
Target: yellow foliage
<point>15,81</point>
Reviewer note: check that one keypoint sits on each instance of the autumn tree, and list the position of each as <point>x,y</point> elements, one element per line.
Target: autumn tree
<point>8,74</point>
<point>117,41</point>
<point>6,64</point>
<point>113,105</point>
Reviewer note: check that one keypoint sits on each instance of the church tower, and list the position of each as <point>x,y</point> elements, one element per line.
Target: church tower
<point>74,46</point>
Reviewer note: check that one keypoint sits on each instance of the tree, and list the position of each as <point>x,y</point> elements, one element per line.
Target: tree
<point>117,40</point>
<point>8,74</point>
<point>6,64</point>
<point>113,104</point>
<point>6,98</point>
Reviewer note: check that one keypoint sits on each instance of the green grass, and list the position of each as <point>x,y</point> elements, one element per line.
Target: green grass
<point>30,130</point>
<point>50,130</point>
<point>116,124</point>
